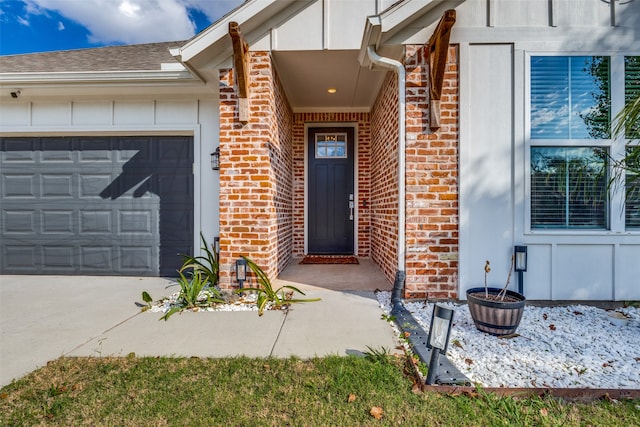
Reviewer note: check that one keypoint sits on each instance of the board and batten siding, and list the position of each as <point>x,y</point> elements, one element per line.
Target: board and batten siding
<point>495,44</point>
<point>95,117</point>
<point>562,265</point>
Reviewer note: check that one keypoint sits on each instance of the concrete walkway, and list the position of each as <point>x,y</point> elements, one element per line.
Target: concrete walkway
<point>45,317</point>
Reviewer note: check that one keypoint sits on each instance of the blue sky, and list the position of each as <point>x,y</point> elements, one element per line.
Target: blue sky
<point>28,26</point>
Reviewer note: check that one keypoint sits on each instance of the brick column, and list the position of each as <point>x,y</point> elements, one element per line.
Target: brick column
<point>432,182</point>
<point>255,173</point>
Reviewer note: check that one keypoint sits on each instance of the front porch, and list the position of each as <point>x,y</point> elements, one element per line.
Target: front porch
<point>265,186</point>
<point>365,276</point>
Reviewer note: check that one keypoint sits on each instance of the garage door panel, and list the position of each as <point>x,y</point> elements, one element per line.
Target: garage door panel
<point>91,184</point>
<point>95,156</point>
<point>173,188</point>
<point>96,258</point>
<point>176,223</point>
<point>168,152</point>
<point>18,221</point>
<point>96,149</point>
<point>104,205</point>
<point>57,150</point>
<point>57,222</point>
<point>58,257</point>
<point>19,258</point>
<point>18,185</point>
<point>18,150</point>
<point>56,185</point>
<point>138,222</point>
<point>96,221</point>
<point>136,258</point>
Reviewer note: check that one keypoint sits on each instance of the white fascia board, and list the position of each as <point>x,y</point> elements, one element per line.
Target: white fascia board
<point>220,29</point>
<point>397,15</point>
<point>104,76</point>
<point>389,22</point>
<point>576,39</point>
<point>371,37</point>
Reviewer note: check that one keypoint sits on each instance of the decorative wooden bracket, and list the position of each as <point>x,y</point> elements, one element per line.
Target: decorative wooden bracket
<point>438,49</point>
<point>241,67</point>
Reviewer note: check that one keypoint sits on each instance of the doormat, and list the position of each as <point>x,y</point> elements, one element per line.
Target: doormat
<point>329,259</point>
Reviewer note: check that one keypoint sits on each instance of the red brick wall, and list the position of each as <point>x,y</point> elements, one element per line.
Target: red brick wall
<point>384,177</point>
<point>432,182</point>
<point>363,143</point>
<point>256,173</point>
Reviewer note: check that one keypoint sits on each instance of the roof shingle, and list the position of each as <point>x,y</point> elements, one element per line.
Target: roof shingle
<point>140,57</point>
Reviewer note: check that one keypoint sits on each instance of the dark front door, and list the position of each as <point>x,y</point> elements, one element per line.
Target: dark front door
<point>331,197</point>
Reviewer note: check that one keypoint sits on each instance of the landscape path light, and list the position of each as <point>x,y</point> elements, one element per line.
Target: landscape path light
<point>241,271</point>
<point>520,266</point>
<point>441,321</point>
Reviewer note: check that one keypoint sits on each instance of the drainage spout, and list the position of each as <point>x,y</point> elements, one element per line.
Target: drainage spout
<point>392,64</point>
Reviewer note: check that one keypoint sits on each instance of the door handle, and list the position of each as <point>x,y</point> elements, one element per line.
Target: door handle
<point>351,206</point>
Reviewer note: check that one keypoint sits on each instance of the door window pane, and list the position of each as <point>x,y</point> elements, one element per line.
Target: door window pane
<point>570,97</point>
<point>568,187</point>
<point>331,145</point>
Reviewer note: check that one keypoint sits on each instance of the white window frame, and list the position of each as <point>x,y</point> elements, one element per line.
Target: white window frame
<point>615,147</point>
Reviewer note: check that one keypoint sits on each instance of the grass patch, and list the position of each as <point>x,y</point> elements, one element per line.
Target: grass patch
<point>255,392</point>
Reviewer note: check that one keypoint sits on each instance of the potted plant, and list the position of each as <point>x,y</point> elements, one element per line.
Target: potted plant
<point>493,310</point>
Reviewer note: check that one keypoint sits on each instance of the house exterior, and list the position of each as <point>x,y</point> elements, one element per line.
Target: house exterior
<point>428,136</point>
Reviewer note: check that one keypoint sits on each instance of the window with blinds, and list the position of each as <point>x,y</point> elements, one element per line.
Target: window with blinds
<point>632,178</point>
<point>570,97</point>
<point>632,202</point>
<point>568,187</point>
<point>632,90</point>
<point>570,100</point>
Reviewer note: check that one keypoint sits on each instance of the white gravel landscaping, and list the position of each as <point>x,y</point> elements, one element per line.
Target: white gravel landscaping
<point>244,303</point>
<point>559,347</point>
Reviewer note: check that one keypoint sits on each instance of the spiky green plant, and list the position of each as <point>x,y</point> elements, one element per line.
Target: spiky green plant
<point>194,292</point>
<point>375,355</point>
<point>267,295</point>
<point>206,265</point>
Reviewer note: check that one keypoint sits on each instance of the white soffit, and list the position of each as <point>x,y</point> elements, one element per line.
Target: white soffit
<point>307,76</point>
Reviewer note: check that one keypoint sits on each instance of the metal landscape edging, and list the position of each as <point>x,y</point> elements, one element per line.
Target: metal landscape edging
<point>568,394</point>
<point>417,338</point>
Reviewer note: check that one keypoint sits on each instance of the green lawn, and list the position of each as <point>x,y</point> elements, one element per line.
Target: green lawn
<point>135,391</point>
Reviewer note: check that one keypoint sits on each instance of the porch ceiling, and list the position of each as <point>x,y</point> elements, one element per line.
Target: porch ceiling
<point>307,75</point>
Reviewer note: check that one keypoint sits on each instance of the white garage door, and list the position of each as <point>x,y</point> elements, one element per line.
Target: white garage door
<point>96,205</point>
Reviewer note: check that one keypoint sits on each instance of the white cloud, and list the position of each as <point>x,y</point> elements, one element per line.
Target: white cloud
<point>130,10</point>
<point>60,26</point>
<point>134,21</point>
<point>23,21</point>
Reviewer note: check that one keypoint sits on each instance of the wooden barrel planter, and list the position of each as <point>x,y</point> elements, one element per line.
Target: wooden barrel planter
<point>493,316</point>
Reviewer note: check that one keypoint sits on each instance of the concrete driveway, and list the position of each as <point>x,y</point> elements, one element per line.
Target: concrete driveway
<point>45,317</point>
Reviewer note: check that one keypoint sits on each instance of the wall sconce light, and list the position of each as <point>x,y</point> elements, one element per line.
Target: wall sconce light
<point>520,265</point>
<point>241,271</point>
<point>215,159</point>
<point>441,321</point>
<point>216,245</point>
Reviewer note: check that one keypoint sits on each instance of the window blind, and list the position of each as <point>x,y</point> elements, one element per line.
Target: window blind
<point>632,89</point>
<point>570,97</point>
<point>568,187</point>
<point>632,177</point>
